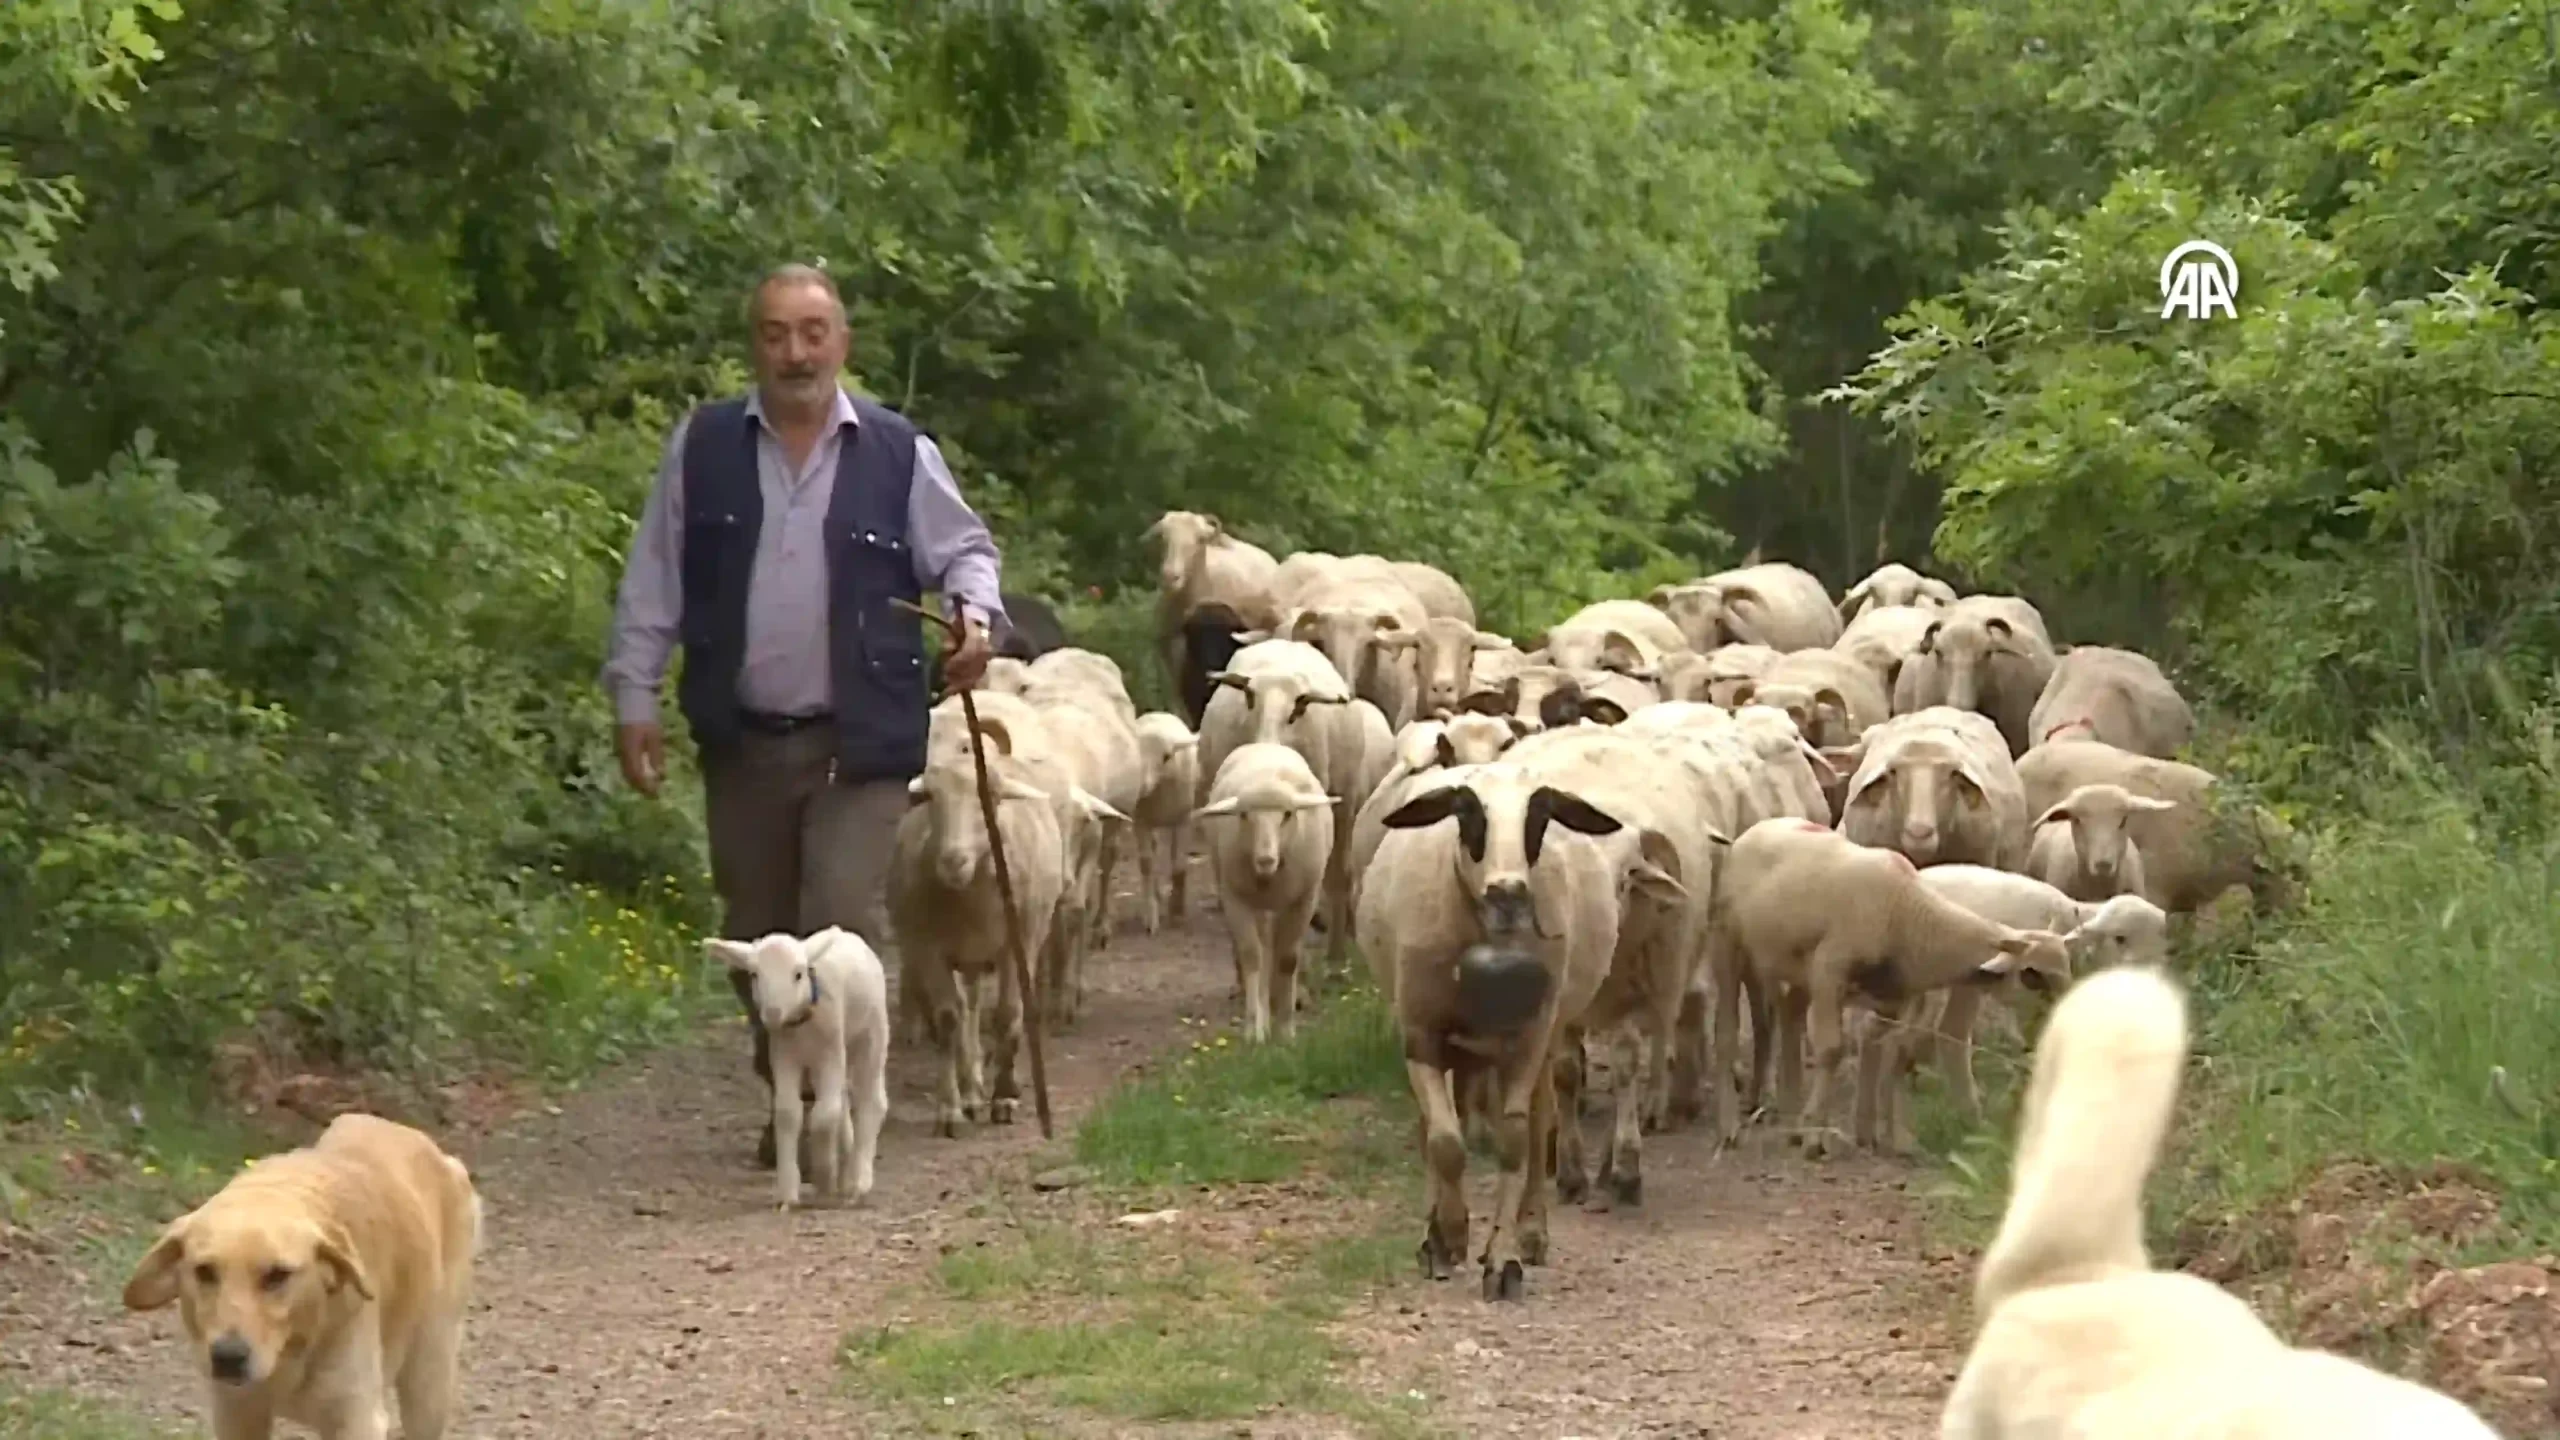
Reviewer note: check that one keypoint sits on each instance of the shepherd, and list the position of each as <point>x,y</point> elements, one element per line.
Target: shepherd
<point>787,529</point>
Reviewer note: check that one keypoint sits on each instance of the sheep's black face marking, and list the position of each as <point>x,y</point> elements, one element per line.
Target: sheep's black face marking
<point>1486,702</point>
<point>1928,638</point>
<point>1548,804</point>
<point>1444,752</point>
<point>1879,979</point>
<point>2036,981</point>
<point>1607,712</point>
<point>1439,805</point>
<point>1560,707</point>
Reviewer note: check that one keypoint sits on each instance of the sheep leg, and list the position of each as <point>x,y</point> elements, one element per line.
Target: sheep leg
<point>1253,966</point>
<point>952,1025</point>
<point>1533,1193</point>
<point>1878,1057</point>
<point>1005,1091</point>
<point>1819,1004</point>
<point>1287,936</point>
<point>1526,1095</point>
<point>1106,866</point>
<point>1150,902</point>
<point>787,1074</point>
<point>868,1074</point>
<point>1622,1167</point>
<point>1178,885</point>
<point>1953,1041</point>
<point>1683,1092</point>
<point>829,1123</point>
<point>1564,1144</point>
<point>1786,1046</point>
<point>1444,1158</point>
<point>1725,968</point>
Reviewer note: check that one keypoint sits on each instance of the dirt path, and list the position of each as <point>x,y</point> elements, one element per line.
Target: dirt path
<point>638,1284</point>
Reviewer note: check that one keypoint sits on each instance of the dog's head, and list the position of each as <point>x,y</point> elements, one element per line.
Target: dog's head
<point>253,1280</point>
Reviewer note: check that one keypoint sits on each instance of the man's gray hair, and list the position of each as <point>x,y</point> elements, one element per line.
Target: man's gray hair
<point>791,273</point>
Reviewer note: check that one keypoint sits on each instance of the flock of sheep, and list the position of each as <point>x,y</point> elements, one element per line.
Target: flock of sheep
<point>1860,817</point>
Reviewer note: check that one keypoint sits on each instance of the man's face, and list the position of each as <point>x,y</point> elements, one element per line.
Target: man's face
<point>800,342</point>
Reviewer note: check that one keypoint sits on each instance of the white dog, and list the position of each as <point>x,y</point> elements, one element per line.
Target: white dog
<point>2081,1338</point>
<point>825,1006</point>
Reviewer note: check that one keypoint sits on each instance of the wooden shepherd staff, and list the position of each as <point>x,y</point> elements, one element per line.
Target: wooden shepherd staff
<point>1031,1017</point>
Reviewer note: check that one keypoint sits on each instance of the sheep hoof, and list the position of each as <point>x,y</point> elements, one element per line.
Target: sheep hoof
<point>1001,1111</point>
<point>1500,988</point>
<point>1433,1256</point>
<point>947,1127</point>
<point>1628,1186</point>
<point>1508,1281</point>
<point>1533,1246</point>
<point>1572,1185</point>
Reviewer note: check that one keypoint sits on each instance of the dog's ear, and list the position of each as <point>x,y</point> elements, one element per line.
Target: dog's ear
<point>336,1253</point>
<point>155,1279</point>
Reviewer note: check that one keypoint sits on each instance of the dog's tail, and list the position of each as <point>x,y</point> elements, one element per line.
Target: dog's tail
<point>2104,1088</point>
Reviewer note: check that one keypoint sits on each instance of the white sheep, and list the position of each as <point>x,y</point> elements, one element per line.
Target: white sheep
<point>1349,615</point>
<point>1628,636</point>
<point>1784,607</point>
<point>2191,854</point>
<point>1938,785</point>
<point>824,1002</point>
<point>948,910</point>
<point>1985,652</point>
<point>1093,731</point>
<point>1445,655</point>
<point>2123,930</point>
<point>2080,844</point>
<point>1895,585</point>
<point>1163,816</point>
<point>1268,852</point>
<point>1490,914</point>
<point>1832,697</point>
<point>2122,697</point>
<point>1882,637</point>
<point>1285,692</point>
<point>1420,748</point>
<point>1815,920</point>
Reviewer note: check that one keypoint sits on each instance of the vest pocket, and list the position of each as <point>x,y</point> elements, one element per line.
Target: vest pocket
<point>705,567</point>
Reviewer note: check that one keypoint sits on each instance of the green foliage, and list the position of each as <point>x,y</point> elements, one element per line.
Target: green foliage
<point>324,439</point>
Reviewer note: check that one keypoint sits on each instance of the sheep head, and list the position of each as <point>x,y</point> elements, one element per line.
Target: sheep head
<point>1502,818</point>
<point>1184,534</point>
<point>780,970</point>
<point>1820,713</point>
<point>1910,790</point>
<point>1281,700</point>
<point>2122,930</point>
<point>1963,646</point>
<point>1265,809</point>
<point>1715,612</point>
<point>2097,816</point>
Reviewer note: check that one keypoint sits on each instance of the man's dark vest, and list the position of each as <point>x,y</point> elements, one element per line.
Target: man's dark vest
<point>875,651</point>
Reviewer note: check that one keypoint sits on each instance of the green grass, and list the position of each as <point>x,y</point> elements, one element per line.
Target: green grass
<point>1333,1098</point>
<point>1170,1325</point>
<point>52,1415</point>
<point>2364,1027</point>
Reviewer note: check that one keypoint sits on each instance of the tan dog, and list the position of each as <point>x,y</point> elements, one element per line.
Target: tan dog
<point>2082,1338</point>
<point>322,1279</point>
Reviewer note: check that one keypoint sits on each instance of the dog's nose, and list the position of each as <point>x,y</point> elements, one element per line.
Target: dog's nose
<point>230,1357</point>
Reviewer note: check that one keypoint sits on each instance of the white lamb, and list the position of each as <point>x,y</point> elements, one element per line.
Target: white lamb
<point>825,1005</point>
<point>1269,856</point>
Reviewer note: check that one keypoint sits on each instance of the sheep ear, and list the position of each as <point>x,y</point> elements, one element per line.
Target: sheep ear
<point>1662,596</point>
<point>2059,811</point>
<point>1397,640</point>
<point>1013,787</point>
<point>2145,802</point>
<point>1252,637</point>
<point>1091,804</point>
<point>736,954</point>
<point>1215,808</point>
<point>915,787</point>
<point>1929,639</point>
<point>1743,690</point>
<point>1316,802</point>
<point>1487,640</point>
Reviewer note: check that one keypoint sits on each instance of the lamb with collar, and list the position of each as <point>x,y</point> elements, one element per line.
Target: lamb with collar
<point>824,1002</point>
